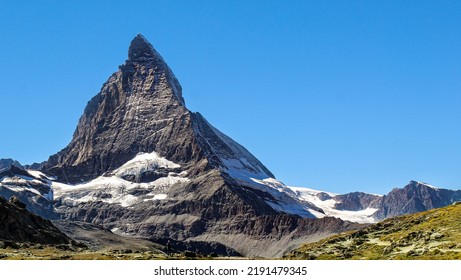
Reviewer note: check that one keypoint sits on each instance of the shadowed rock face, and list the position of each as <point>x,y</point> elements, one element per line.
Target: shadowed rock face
<point>19,225</point>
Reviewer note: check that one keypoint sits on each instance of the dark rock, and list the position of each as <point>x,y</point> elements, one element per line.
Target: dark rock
<point>356,201</point>
<point>10,244</point>
<point>198,247</point>
<point>16,202</point>
<point>190,254</point>
<point>19,226</point>
<point>323,196</point>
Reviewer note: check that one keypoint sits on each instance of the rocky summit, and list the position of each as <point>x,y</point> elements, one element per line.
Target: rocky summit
<point>140,109</point>
<point>141,164</point>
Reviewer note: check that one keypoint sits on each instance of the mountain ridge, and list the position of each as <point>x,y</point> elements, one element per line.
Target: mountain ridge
<point>141,164</point>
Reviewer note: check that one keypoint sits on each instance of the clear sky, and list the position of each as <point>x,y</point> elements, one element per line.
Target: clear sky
<point>335,95</point>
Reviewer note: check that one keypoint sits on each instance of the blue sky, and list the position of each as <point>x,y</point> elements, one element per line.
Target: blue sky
<point>333,95</point>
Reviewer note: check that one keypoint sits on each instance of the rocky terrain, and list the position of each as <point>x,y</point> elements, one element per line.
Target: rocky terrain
<point>140,164</point>
<point>6,163</point>
<point>415,197</point>
<point>31,187</point>
<point>433,234</point>
<point>19,226</point>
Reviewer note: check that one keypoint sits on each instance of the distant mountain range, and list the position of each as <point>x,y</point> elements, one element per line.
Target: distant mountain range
<point>141,164</point>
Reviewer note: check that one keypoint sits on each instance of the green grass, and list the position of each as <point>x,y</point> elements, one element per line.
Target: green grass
<point>52,253</point>
<point>430,235</point>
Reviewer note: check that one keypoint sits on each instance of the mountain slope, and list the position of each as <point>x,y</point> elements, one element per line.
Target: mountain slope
<point>140,109</point>
<point>141,164</point>
<point>433,234</point>
<point>18,226</point>
<point>31,187</point>
<point>415,197</point>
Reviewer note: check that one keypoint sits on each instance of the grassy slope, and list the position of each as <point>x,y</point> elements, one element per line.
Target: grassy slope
<point>434,234</point>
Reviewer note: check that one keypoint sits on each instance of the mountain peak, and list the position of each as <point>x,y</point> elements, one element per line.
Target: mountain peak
<point>418,183</point>
<point>140,48</point>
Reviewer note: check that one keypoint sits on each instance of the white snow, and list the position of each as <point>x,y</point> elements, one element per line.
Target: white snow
<point>160,196</point>
<point>238,162</point>
<point>37,174</point>
<point>299,200</point>
<point>144,162</point>
<point>426,184</point>
<point>113,189</point>
<point>16,188</point>
<point>21,183</point>
<point>311,195</point>
<point>242,170</point>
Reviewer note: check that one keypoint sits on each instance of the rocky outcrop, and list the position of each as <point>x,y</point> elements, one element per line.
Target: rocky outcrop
<point>20,226</point>
<point>356,201</point>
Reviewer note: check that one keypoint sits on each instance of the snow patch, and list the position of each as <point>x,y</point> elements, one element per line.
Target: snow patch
<point>157,197</point>
<point>144,162</point>
<point>328,206</point>
<point>427,185</point>
<point>113,189</point>
<point>241,169</point>
<point>300,201</point>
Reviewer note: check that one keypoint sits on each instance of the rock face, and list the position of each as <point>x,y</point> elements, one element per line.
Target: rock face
<point>19,225</point>
<point>415,197</point>
<point>356,201</point>
<point>141,109</point>
<point>6,163</point>
<point>32,188</point>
